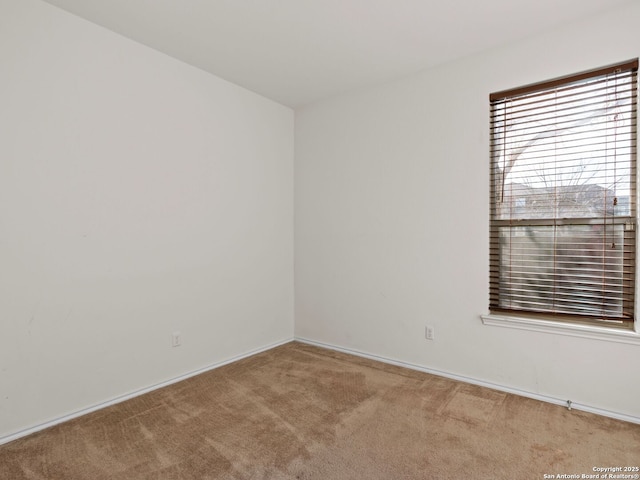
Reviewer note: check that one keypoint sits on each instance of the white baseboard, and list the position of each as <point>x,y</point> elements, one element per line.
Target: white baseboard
<point>473,381</point>
<point>544,398</point>
<point>121,398</point>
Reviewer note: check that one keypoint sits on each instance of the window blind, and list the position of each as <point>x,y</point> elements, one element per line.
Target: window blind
<point>563,196</point>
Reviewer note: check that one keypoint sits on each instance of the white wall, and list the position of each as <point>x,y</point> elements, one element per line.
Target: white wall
<point>138,196</point>
<point>391,222</point>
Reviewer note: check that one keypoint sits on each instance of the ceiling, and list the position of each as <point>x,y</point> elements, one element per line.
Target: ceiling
<point>299,51</point>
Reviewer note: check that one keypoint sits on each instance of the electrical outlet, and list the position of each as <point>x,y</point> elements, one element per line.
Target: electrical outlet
<point>429,333</point>
<point>176,339</point>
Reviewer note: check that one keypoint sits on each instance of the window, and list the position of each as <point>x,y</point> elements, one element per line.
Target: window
<point>563,197</point>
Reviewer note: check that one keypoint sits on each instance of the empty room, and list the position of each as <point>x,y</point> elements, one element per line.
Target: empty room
<point>319,239</point>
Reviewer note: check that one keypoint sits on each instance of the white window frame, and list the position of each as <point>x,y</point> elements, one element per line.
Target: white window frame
<point>551,325</point>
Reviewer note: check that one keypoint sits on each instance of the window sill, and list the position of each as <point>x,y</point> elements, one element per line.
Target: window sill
<point>561,328</point>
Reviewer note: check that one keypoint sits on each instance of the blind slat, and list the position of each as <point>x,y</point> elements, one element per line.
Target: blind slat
<point>563,175</point>
<point>568,81</point>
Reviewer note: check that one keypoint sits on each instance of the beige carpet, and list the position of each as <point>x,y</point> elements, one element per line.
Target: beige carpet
<point>301,412</point>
